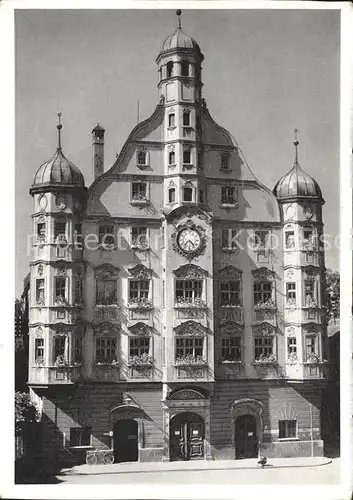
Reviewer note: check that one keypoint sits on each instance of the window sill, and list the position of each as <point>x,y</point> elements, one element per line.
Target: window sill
<point>107,365</point>
<point>171,128</point>
<point>143,306</point>
<point>107,247</point>
<point>172,165</point>
<point>140,247</point>
<point>224,362</point>
<point>142,165</point>
<point>88,447</point>
<point>102,306</point>
<point>139,202</point>
<point>188,165</point>
<point>232,306</point>
<point>289,439</point>
<point>229,249</point>
<point>225,170</point>
<point>228,205</point>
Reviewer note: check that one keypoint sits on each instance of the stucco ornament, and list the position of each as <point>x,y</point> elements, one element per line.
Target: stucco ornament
<point>231,273</point>
<point>141,329</point>
<point>190,271</point>
<point>190,329</point>
<point>140,272</point>
<point>263,274</point>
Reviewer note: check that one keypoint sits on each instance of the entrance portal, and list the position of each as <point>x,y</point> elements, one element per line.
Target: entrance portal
<point>187,434</point>
<point>125,441</point>
<point>246,445</point>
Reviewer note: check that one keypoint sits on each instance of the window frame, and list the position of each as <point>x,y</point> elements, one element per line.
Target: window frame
<point>61,348</point>
<point>145,154</point>
<point>74,430</point>
<point>231,234</point>
<point>40,291</point>
<point>188,160</point>
<point>140,349</point>
<point>191,190</point>
<point>228,196</point>
<point>135,239</point>
<point>98,283</point>
<point>289,233</point>
<point>64,280</point>
<point>187,113</point>
<point>143,294</point>
<point>170,69</point>
<point>292,347</point>
<point>187,347</point>
<point>171,190</point>
<point>106,239</point>
<point>262,291</point>
<point>267,348</point>
<point>229,292</point>
<point>291,293</point>
<point>285,428</point>
<point>237,348</point>
<point>171,120</point>
<point>108,344</point>
<point>171,157</point>
<point>139,197</point>
<point>60,235</point>
<point>225,162</point>
<point>190,293</point>
<point>39,350</point>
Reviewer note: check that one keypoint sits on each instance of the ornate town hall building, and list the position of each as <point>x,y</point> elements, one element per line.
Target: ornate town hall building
<point>176,307</point>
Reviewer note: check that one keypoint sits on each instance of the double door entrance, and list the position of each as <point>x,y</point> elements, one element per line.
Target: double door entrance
<point>187,435</point>
<point>126,441</point>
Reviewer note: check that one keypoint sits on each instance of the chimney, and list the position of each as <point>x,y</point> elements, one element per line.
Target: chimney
<point>98,151</point>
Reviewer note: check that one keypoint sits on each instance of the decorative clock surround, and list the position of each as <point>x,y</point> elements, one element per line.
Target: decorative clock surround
<point>189,240</point>
<point>308,211</point>
<point>61,202</point>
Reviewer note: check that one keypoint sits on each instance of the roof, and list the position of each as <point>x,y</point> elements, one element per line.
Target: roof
<point>180,40</point>
<point>58,171</point>
<point>297,184</point>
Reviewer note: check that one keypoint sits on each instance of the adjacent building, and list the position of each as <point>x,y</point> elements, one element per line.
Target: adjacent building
<point>176,306</point>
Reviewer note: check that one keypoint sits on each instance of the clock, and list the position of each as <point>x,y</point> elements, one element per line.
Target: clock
<point>189,240</point>
<point>290,212</point>
<point>61,202</point>
<point>43,202</point>
<point>308,211</point>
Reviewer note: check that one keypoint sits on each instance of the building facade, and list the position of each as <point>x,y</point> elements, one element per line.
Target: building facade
<point>176,306</point>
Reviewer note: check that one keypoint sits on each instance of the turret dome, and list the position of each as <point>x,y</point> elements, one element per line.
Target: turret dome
<point>179,40</point>
<point>58,171</point>
<point>297,183</point>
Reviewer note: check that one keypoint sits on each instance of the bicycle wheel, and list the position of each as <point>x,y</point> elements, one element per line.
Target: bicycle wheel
<point>108,458</point>
<point>91,458</point>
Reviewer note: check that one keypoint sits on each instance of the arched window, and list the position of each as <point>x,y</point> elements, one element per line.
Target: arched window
<point>171,195</point>
<point>184,68</point>
<point>170,65</point>
<point>187,193</point>
<point>171,157</point>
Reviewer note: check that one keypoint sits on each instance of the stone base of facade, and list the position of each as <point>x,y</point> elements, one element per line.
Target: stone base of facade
<point>288,449</point>
<point>150,454</point>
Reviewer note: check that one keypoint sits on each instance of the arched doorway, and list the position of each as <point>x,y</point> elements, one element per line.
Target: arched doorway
<point>246,440</point>
<point>125,441</point>
<point>187,436</point>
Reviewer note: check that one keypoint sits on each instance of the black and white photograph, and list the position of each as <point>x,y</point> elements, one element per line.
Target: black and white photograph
<point>178,177</point>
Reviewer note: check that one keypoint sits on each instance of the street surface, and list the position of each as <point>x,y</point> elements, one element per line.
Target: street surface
<point>324,474</point>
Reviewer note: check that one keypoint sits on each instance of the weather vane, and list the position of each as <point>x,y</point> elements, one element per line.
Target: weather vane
<point>178,13</point>
<point>296,143</point>
<point>59,127</point>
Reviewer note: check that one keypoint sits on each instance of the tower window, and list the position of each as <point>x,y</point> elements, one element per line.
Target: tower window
<point>170,66</point>
<point>228,195</point>
<point>171,195</point>
<point>291,293</point>
<point>187,192</point>
<point>308,236</point>
<point>201,197</point>
<point>263,347</point>
<point>41,229</point>
<point>171,120</point>
<point>171,158</point>
<point>59,230</point>
<point>290,241</point>
<point>262,292</point>
<point>187,156</point>
<point>186,118</point>
<point>60,287</point>
<point>77,349</point>
<point>231,349</point>
<point>310,347</point>
<point>59,348</point>
<point>291,347</point>
<point>139,346</point>
<point>309,293</point>
<point>39,350</point>
<point>40,295</point>
<point>184,68</point>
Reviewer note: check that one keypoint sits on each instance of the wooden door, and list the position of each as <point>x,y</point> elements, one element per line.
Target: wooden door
<point>245,437</point>
<point>126,441</point>
<point>187,434</point>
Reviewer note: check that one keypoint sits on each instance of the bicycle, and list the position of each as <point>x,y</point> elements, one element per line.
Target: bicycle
<point>99,456</point>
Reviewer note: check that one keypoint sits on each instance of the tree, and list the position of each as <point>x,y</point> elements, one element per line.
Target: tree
<point>332,294</point>
<point>21,346</point>
<point>25,412</point>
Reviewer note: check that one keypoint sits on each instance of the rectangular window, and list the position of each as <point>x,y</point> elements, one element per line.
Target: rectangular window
<point>106,292</point>
<point>263,347</point>
<point>262,292</point>
<point>186,119</point>
<point>139,290</point>
<point>200,195</point>
<point>171,159</point>
<point>189,348</point>
<point>106,235</point>
<point>77,349</point>
<point>139,346</point>
<point>39,350</point>
<point>60,287</point>
<point>59,348</point>
<point>230,293</point>
<point>187,192</point>
<point>141,157</point>
<point>171,120</point>
<point>290,241</point>
<point>105,350</point>
<point>78,233</point>
<point>80,436</point>
<point>310,346</point>
<point>225,162</point>
<point>229,239</point>
<point>231,349</point>
<point>292,346</point>
<point>187,290</point>
<point>187,156</point>
<point>228,195</point>
<point>184,68</point>
<point>78,291</point>
<point>309,287</point>
<point>171,195</point>
<point>41,229</point>
<point>40,290</point>
<point>291,293</point>
<point>287,429</point>
<point>59,229</point>
<point>139,236</point>
<point>261,239</point>
<point>139,191</point>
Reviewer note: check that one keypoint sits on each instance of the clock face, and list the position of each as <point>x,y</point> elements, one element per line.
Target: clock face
<point>189,240</point>
<point>290,212</point>
<point>308,211</point>
<point>61,202</point>
<point>43,202</point>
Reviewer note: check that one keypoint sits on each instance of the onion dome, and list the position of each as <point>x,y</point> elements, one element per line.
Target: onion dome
<point>297,183</point>
<point>180,41</point>
<point>58,171</point>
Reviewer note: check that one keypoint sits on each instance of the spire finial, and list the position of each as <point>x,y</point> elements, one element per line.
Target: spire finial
<point>59,127</point>
<point>296,143</point>
<point>178,13</point>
